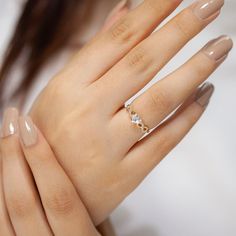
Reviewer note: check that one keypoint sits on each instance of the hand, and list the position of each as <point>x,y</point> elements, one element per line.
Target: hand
<point>52,207</point>
<point>81,112</point>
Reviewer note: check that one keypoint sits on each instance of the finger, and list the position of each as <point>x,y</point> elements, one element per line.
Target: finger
<point>65,212</point>
<point>106,228</point>
<point>5,223</point>
<point>166,95</point>
<point>22,201</point>
<point>119,11</point>
<point>139,66</point>
<point>147,153</point>
<point>107,48</point>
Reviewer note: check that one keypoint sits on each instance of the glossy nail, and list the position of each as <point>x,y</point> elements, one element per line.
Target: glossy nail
<point>28,132</point>
<point>10,122</point>
<point>204,94</point>
<point>217,49</point>
<point>206,8</point>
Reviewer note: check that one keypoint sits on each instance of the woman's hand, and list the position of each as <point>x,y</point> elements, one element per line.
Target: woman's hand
<point>81,112</point>
<point>36,196</point>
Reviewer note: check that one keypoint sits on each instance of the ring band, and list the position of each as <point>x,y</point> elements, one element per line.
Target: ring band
<point>135,119</point>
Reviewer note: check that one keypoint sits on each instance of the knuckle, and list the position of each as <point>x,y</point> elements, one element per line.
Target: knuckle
<point>60,201</point>
<point>55,90</point>
<point>181,23</point>
<point>159,100</point>
<point>21,205</point>
<point>138,60</point>
<point>160,7</point>
<point>121,32</point>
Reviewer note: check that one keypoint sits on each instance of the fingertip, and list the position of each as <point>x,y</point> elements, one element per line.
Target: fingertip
<point>28,131</point>
<point>9,123</point>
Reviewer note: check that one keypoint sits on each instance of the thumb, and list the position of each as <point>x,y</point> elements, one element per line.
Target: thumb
<point>120,10</point>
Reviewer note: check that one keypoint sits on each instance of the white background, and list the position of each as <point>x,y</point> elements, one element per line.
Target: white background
<point>193,191</point>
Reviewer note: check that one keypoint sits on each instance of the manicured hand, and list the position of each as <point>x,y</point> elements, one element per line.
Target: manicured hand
<point>37,198</point>
<point>81,112</point>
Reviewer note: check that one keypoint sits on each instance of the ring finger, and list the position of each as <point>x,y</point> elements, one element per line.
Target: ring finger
<point>166,95</point>
<point>65,212</point>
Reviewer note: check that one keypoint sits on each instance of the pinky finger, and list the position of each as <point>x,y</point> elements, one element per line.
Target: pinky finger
<point>147,153</point>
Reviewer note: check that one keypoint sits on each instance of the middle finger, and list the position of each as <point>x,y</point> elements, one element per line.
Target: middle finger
<point>145,60</point>
<point>166,95</point>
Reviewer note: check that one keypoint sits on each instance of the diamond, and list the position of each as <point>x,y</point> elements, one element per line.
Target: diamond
<point>136,119</point>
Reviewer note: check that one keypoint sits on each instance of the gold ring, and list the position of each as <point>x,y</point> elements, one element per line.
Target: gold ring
<point>136,119</point>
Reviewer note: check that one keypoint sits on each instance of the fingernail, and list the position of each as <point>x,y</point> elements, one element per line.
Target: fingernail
<point>206,8</point>
<point>122,4</point>
<point>204,94</point>
<point>28,131</point>
<point>218,48</point>
<point>10,122</point>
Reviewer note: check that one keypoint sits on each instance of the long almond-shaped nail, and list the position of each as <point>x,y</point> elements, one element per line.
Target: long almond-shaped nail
<point>204,94</point>
<point>206,8</point>
<point>218,48</point>
<point>28,132</point>
<point>10,122</point>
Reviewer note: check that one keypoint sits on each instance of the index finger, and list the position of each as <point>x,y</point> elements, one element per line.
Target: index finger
<point>65,211</point>
<point>107,48</point>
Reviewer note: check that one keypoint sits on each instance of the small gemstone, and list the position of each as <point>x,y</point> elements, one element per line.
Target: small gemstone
<point>135,119</point>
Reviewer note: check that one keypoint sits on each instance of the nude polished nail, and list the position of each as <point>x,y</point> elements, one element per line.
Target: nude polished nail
<point>217,49</point>
<point>206,8</point>
<point>28,132</point>
<point>10,122</point>
<point>204,94</point>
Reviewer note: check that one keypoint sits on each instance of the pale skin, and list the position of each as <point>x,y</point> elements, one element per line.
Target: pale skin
<point>31,208</point>
<point>23,218</point>
<point>82,116</point>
